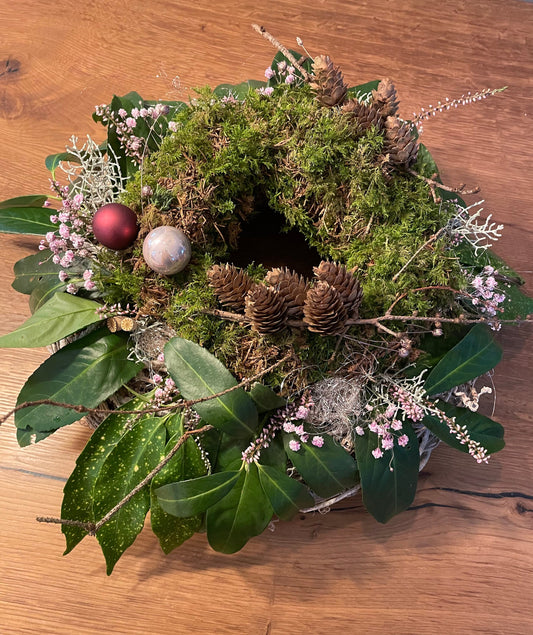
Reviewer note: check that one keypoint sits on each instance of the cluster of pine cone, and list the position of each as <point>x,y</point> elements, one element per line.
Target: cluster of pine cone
<point>401,148</point>
<point>286,298</point>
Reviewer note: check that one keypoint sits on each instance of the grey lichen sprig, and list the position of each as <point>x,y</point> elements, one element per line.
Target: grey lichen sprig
<point>467,226</point>
<point>93,173</point>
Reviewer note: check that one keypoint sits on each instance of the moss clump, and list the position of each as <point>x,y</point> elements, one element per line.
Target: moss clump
<point>323,175</point>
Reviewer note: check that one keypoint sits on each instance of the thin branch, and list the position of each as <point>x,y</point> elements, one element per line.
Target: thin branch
<point>174,406</point>
<point>456,190</point>
<point>262,31</point>
<point>93,528</point>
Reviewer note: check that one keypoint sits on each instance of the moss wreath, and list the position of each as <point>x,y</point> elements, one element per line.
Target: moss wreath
<point>328,331</point>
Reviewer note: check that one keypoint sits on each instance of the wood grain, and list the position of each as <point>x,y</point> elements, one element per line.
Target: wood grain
<point>460,560</point>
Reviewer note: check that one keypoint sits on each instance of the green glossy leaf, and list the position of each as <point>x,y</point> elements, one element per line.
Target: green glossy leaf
<point>245,512</point>
<point>475,354</point>
<point>286,495</point>
<point>52,161</point>
<point>26,220</point>
<point>485,431</point>
<point>238,91</point>
<point>328,470</point>
<point>194,496</point>
<point>363,89</point>
<point>386,491</point>
<point>135,455</point>
<point>83,373</point>
<point>78,491</point>
<point>62,315</point>
<point>35,200</point>
<point>265,398</point>
<point>33,271</point>
<point>198,374</point>
<point>187,463</point>
<point>275,455</point>
<point>44,292</point>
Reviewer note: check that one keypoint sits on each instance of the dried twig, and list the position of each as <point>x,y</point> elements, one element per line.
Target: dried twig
<point>262,31</point>
<point>174,406</point>
<point>456,190</point>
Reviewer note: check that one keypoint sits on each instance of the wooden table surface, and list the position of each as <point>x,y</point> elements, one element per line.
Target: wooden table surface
<point>460,560</point>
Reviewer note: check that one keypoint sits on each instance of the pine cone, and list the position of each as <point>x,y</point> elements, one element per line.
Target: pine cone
<point>328,82</point>
<point>400,145</point>
<point>344,282</point>
<point>230,285</point>
<point>385,98</point>
<point>365,116</point>
<point>291,287</point>
<point>266,309</point>
<point>324,310</point>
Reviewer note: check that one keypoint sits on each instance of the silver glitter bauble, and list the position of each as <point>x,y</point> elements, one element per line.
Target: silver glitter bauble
<point>167,250</point>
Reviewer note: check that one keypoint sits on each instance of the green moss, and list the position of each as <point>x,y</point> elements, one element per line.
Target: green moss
<point>323,175</point>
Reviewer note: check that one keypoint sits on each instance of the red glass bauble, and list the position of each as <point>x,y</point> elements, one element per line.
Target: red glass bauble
<point>115,226</point>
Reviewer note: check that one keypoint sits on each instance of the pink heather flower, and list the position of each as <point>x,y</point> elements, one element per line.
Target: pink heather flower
<point>301,413</point>
<point>64,231</point>
<point>269,73</point>
<point>294,445</point>
<point>64,217</point>
<point>47,204</point>
<point>135,112</point>
<point>359,430</point>
<point>77,201</point>
<point>56,259</point>
<point>87,274</point>
<point>403,440</point>
<point>50,237</point>
<point>388,442</point>
<point>53,218</point>
<point>131,122</point>
<point>157,378</point>
<point>299,430</point>
<point>169,383</point>
<point>266,91</point>
<point>488,270</point>
<point>143,112</point>
<point>396,424</point>
<point>498,298</point>
<point>173,126</point>
<point>373,427</point>
<point>62,275</point>
<point>491,283</point>
<point>160,109</point>
<point>318,441</point>
<point>89,285</point>
<point>282,66</point>
<point>122,113</point>
<point>389,413</point>
<point>290,79</point>
<point>159,392</point>
<point>146,191</point>
<point>72,288</point>
<point>161,357</point>
<point>377,453</point>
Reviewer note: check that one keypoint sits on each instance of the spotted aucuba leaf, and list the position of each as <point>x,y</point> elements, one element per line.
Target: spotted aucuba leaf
<point>78,491</point>
<point>130,461</point>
